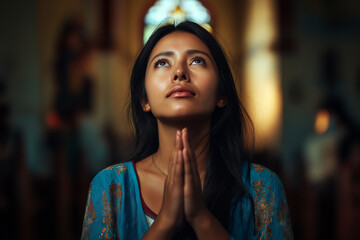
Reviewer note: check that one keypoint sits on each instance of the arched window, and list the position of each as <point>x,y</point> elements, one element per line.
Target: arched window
<point>170,11</point>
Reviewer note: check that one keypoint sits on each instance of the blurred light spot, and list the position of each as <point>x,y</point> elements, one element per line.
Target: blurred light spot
<point>53,120</point>
<point>262,80</point>
<point>322,121</point>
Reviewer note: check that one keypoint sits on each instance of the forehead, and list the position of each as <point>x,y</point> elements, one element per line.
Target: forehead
<point>179,42</point>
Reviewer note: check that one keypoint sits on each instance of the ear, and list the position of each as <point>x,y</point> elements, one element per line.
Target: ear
<point>145,104</point>
<point>221,103</point>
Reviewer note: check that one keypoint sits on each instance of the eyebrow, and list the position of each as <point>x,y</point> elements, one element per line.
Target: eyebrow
<point>167,54</point>
<point>188,52</point>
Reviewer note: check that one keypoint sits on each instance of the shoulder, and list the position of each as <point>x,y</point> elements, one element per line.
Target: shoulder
<point>260,175</point>
<point>104,201</point>
<point>272,215</point>
<point>265,186</point>
<point>111,175</point>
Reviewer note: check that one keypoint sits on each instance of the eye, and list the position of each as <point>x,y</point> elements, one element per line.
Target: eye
<point>198,61</point>
<point>161,63</point>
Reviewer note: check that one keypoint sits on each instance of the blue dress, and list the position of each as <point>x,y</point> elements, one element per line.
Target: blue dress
<point>114,209</point>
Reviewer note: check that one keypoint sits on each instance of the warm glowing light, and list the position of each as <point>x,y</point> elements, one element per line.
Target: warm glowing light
<point>207,27</point>
<point>262,80</point>
<point>171,11</point>
<point>178,13</point>
<point>322,121</point>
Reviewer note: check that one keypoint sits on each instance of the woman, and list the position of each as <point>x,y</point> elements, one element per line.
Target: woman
<point>174,188</point>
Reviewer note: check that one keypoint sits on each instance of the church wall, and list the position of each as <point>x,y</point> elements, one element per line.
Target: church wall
<point>19,71</point>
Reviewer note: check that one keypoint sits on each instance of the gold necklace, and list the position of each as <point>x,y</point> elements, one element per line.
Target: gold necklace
<point>161,171</point>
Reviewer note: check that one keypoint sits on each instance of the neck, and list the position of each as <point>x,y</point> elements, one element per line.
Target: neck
<point>199,139</point>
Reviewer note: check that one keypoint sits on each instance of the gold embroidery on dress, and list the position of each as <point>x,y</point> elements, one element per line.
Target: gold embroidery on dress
<point>258,168</point>
<point>264,211</point>
<point>107,231</point>
<point>115,192</point>
<point>90,216</point>
<point>284,219</point>
<point>118,167</point>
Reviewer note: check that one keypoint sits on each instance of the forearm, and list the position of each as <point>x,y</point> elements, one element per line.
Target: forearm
<point>207,227</point>
<point>159,231</point>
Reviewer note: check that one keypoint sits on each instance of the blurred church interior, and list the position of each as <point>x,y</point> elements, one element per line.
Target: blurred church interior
<point>64,79</point>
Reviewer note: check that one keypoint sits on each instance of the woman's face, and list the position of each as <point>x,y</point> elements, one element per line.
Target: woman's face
<point>181,79</point>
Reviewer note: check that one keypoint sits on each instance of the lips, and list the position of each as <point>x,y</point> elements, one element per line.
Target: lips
<point>180,91</point>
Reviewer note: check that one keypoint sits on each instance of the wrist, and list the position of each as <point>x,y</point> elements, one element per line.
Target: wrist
<point>206,226</point>
<point>202,220</point>
<point>166,223</point>
<point>159,230</point>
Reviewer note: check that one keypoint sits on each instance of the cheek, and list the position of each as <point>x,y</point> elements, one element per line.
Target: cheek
<point>209,87</point>
<point>155,89</point>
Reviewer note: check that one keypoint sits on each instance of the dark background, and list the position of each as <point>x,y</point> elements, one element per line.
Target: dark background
<point>64,70</point>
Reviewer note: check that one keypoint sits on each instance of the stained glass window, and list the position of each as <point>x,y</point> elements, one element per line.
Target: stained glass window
<point>175,11</point>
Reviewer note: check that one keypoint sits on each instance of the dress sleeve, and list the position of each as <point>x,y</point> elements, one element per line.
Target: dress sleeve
<point>102,204</point>
<point>272,216</point>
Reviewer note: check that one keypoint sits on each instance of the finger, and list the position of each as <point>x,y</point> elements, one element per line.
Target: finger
<point>186,142</point>
<point>188,172</point>
<point>179,164</point>
<point>190,154</point>
<point>179,145</point>
<point>175,154</point>
<point>179,171</point>
<point>172,157</point>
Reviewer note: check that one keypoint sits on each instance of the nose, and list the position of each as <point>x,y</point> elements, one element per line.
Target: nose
<point>180,74</point>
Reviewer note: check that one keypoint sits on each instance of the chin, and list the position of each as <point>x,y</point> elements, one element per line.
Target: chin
<point>184,112</point>
<point>185,117</point>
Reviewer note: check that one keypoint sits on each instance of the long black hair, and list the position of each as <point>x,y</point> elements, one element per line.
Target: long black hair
<point>231,128</point>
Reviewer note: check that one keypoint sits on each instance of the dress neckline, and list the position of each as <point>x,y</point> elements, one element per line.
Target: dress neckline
<point>144,205</point>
